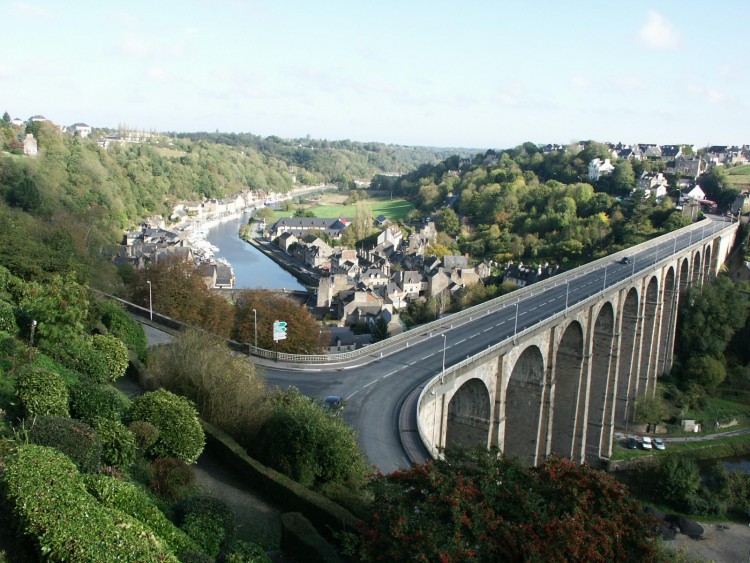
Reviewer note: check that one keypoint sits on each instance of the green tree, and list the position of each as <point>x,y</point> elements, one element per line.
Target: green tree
<point>380,332</point>
<point>651,410</point>
<point>623,177</point>
<point>310,445</point>
<point>679,481</point>
<point>706,371</point>
<point>447,221</point>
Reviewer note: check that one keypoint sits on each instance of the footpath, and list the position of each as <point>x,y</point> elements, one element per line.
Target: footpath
<point>257,521</point>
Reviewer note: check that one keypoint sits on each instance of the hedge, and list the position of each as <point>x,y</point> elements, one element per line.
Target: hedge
<point>49,502</point>
<point>279,488</point>
<point>301,541</point>
<point>118,442</point>
<point>41,391</point>
<point>121,324</point>
<point>78,353</point>
<point>208,521</point>
<point>115,353</point>
<point>180,432</point>
<point>74,438</point>
<point>90,401</point>
<point>133,501</point>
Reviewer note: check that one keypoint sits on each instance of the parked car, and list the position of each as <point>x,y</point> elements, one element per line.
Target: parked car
<point>659,443</point>
<point>625,260</point>
<point>646,443</point>
<point>632,444</point>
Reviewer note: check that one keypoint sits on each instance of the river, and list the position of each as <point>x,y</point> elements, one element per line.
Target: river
<point>252,268</point>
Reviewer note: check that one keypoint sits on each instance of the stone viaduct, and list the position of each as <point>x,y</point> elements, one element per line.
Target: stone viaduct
<point>566,384</point>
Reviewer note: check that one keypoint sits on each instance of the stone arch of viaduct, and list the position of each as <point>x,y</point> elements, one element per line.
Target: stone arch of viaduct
<point>566,386</point>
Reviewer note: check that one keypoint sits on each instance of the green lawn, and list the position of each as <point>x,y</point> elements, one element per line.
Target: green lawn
<point>739,170</point>
<point>395,209</point>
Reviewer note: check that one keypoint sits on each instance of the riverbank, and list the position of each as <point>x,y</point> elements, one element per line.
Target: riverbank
<point>283,260</point>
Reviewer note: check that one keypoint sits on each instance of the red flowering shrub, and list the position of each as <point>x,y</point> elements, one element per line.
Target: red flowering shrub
<point>474,506</point>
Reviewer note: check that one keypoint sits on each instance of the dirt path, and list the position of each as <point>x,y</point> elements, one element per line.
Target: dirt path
<point>731,545</point>
<point>257,521</point>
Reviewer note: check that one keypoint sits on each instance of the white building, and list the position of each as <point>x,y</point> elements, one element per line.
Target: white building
<point>597,169</point>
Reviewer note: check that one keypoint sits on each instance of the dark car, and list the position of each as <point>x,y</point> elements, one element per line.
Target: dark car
<point>625,260</point>
<point>632,444</point>
<point>333,404</point>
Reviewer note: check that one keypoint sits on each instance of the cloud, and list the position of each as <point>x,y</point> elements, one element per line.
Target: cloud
<point>629,82</point>
<point>159,73</point>
<point>25,9</point>
<point>134,45</point>
<point>581,82</point>
<point>716,97</point>
<point>658,33</point>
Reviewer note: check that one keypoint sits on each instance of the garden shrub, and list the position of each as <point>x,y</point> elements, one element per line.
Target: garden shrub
<point>118,442</point>
<point>209,521</point>
<point>9,351</point>
<point>69,376</point>
<point>78,353</point>
<point>7,318</point>
<point>145,433</point>
<point>41,391</point>
<point>170,477</point>
<point>246,552</point>
<point>133,501</point>
<point>115,353</point>
<point>180,431</point>
<point>50,504</point>
<point>309,445</point>
<point>89,401</point>
<point>122,325</point>
<point>74,438</point>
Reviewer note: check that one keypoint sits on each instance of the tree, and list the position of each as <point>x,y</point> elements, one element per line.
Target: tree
<point>447,221</point>
<point>623,177</point>
<point>651,410</point>
<point>474,506</point>
<point>303,334</point>
<point>380,332</point>
<point>6,117</point>
<point>706,371</point>
<point>310,445</point>
<point>178,291</point>
<point>679,481</point>
<point>25,195</point>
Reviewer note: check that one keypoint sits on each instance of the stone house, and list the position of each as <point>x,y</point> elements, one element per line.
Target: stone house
<point>30,146</point>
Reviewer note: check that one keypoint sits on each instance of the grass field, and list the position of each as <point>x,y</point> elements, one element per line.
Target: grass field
<point>739,170</point>
<point>394,209</point>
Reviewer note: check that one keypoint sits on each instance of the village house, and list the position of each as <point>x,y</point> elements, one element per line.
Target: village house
<point>653,183</point>
<point>522,276</point>
<point>80,129</point>
<point>599,169</point>
<point>302,225</point>
<point>30,146</point>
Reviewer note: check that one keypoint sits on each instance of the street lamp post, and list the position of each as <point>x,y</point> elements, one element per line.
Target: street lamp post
<point>255,318</point>
<point>150,302</point>
<point>33,328</point>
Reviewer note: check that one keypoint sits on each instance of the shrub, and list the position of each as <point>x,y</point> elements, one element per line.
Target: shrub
<point>41,391</point>
<point>180,432</point>
<point>115,353</point>
<point>78,353</point>
<point>124,327</point>
<point>246,552</point>
<point>209,521</point>
<point>118,443</point>
<point>309,445</point>
<point>133,501</point>
<point>49,502</point>
<point>145,433</point>
<point>170,477</point>
<point>7,318</point>
<point>74,438</point>
<point>89,401</point>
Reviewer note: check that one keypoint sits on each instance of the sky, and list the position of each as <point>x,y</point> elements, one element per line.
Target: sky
<point>475,74</point>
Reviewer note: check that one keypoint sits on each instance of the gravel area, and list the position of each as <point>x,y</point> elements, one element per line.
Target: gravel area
<point>730,545</point>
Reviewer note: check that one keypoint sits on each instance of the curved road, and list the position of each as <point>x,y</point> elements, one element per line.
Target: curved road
<point>381,388</point>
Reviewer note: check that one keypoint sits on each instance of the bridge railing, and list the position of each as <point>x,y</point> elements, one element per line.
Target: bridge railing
<point>428,389</point>
<point>484,308</point>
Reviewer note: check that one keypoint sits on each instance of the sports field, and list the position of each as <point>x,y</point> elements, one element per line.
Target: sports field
<point>394,209</point>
